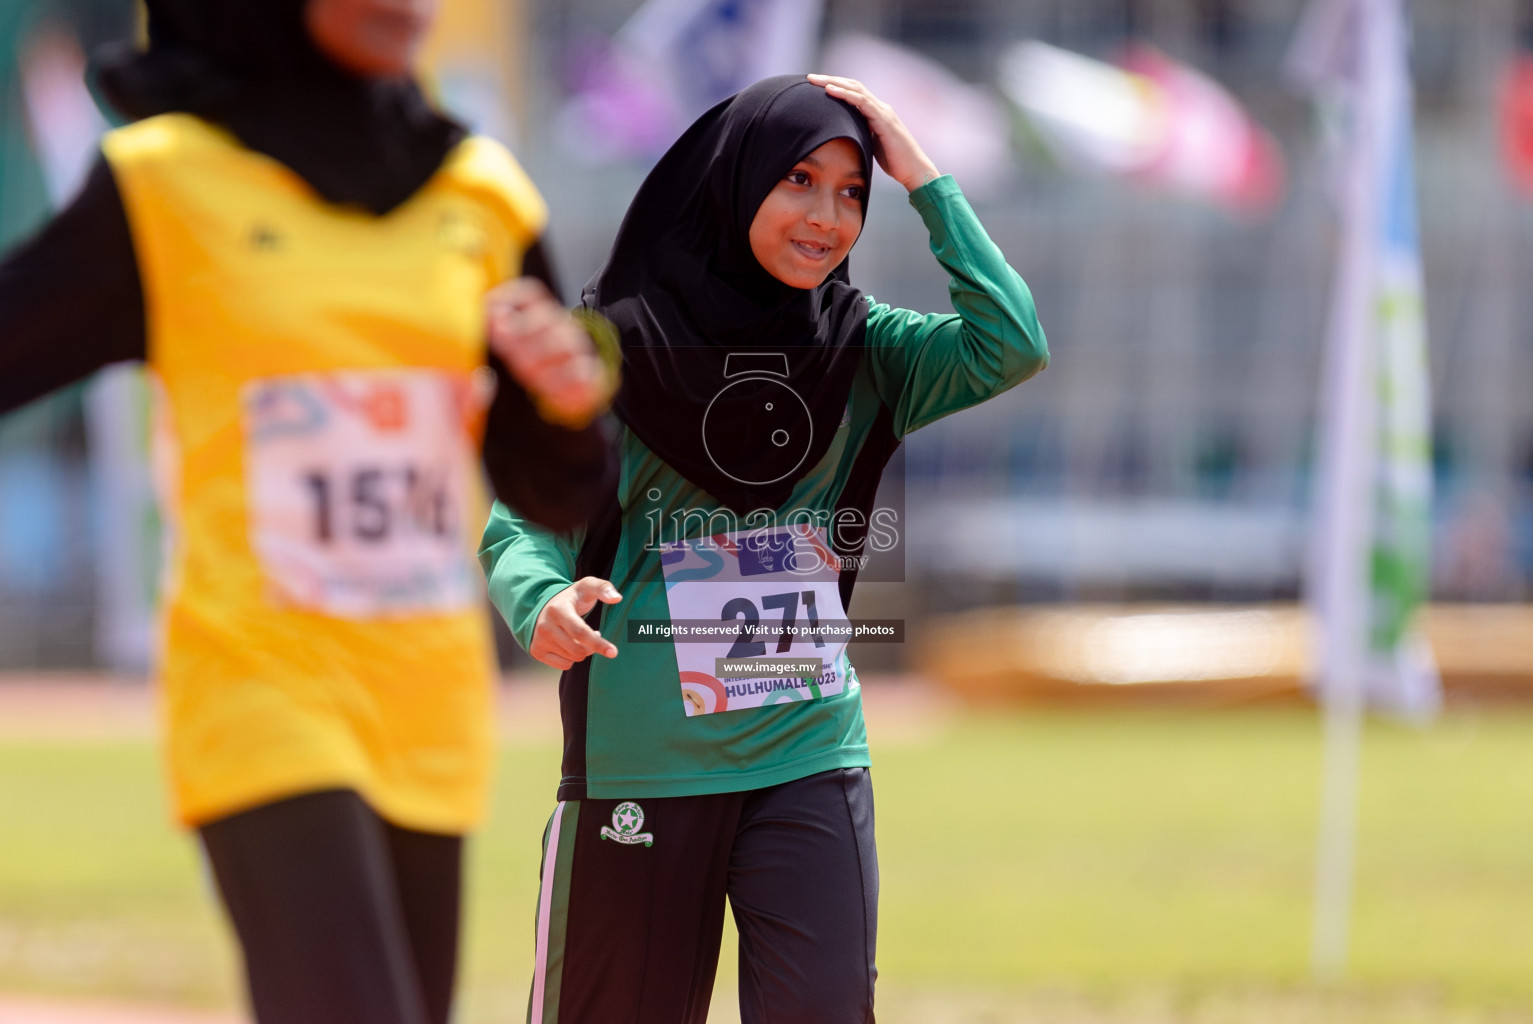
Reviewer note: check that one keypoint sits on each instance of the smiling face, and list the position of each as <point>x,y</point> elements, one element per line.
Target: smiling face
<point>806,225</point>
<point>369,37</point>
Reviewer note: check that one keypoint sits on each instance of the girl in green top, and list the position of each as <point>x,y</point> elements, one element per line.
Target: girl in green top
<point>716,747</point>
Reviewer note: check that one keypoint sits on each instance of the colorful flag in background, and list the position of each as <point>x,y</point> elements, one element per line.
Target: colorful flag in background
<point>1401,674</point>
<point>1517,107</point>
<point>1147,118</point>
<point>674,59</point>
<point>1371,557</point>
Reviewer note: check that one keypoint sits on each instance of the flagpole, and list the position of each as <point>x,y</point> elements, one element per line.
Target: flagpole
<point>1340,571</point>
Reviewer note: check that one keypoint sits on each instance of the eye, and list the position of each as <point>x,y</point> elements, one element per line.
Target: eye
<point>797,177</point>
<point>854,191</point>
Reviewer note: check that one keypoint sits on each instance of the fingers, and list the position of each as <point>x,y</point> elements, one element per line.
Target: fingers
<point>840,82</point>
<point>586,592</point>
<point>568,639</point>
<point>553,640</point>
<point>519,293</point>
<point>510,304</point>
<point>542,654</point>
<point>547,351</point>
<point>855,93</point>
<point>572,638</point>
<point>530,330</point>
<point>561,637</point>
<point>895,149</point>
<point>590,589</point>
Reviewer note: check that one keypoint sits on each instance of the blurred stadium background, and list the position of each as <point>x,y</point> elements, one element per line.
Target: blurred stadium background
<point>1167,453</point>
<point>1139,514</point>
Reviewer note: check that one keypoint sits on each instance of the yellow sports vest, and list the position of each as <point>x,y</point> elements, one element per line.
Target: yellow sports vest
<point>316,367</point>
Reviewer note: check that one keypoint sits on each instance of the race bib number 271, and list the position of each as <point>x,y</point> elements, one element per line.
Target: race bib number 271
<point>357,484</point>
<point>767,593</point>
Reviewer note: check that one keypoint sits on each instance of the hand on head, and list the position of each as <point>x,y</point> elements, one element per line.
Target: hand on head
<point>807,224</point>
<point>895,149</point>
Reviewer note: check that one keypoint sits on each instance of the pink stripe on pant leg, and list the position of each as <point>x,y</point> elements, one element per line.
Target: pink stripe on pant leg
<point>545,909</point>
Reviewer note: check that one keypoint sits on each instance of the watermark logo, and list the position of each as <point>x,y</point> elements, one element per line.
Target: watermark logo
<point>627,819</point>
<point>758,538</point>
<point>757,430</point>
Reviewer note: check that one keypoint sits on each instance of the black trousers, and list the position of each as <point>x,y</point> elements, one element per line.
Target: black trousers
<point>343,918</point>
<point>631,905</point>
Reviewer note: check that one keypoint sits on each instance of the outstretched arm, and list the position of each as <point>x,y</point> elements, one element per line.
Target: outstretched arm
<point>531,582</point>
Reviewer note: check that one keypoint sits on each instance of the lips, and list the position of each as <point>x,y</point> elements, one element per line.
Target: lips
<point>811,251</point>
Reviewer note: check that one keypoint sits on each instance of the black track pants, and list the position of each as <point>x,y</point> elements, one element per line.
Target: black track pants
<point>343,918</point>
<point>631,905</point>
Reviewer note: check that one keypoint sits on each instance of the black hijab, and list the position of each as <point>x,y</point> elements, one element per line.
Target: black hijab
<point>250,66</point>
<point>736,380</point>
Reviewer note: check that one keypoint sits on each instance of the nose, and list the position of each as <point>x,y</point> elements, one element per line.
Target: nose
<point>823,212</point>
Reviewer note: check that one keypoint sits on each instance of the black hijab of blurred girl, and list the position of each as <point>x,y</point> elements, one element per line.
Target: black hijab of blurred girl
<point>685,291</point>
<point>251,67</point>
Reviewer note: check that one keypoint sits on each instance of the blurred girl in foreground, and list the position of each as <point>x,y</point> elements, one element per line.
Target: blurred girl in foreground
<point>763,395</point>
<point>300,247</point>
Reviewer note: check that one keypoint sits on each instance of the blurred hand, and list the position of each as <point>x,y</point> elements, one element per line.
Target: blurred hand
<point>561,636</point>
<point>548,352</point>
<point>895,149</point>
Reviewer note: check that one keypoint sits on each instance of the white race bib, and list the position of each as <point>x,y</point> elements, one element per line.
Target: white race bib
<point>763,596</point>
<point>357,484</point>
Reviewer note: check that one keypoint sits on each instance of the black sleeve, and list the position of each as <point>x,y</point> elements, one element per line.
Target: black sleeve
<point>536,263</point>
<point>70,298</point>
<point>554,476</point>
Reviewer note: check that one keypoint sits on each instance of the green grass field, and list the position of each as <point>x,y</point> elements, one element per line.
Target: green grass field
<point>1066,867</point>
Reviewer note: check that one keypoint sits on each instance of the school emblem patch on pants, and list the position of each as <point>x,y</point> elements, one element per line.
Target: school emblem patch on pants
<point>627,819</point>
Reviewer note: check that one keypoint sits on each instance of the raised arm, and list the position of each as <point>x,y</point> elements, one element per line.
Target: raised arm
<point>551,457</point>
<point>926,366</point>
<point>70,298</point>
<point>929,365</point>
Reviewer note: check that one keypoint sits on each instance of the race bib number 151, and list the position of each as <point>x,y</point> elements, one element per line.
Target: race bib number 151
<point>357,484</point>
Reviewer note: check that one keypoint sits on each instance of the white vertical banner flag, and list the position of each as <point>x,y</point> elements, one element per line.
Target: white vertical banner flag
<point>1370,557</point>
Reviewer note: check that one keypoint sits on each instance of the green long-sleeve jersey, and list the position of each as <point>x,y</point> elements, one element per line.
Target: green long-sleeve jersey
<point>637,725</point>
